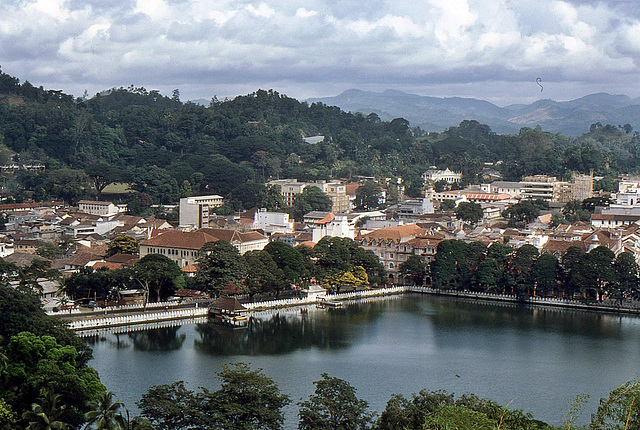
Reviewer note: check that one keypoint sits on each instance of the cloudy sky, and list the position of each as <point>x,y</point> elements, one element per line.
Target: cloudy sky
<point>490,49</point>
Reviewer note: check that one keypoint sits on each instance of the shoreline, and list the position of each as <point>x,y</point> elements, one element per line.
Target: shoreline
<point>132,318</point>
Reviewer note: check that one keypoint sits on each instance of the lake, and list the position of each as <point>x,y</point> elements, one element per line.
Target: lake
<point>534,358</point>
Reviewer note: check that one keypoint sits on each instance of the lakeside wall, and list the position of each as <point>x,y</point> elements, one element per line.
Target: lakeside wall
<point>173,314</point>
<point>168,314</point>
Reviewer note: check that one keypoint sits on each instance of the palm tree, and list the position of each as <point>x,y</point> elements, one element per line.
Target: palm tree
<point>45,414</point>
<point>126,422</point>
<point>104,413</point>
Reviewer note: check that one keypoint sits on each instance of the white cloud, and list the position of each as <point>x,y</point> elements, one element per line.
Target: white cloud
<point>304,13</point>
<point>263,10</point>
<point>322,44</point>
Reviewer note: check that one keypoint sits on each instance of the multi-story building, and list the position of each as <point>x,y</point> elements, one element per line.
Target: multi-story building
<point>395,244</point>
<point>539,187</point>
<point>183,246</point>
<point>97,207</point>
<point>337,191</point>
<point>272,222</point>
<point>503,187</point>
<point>194,211</point>
<point>548,188</point>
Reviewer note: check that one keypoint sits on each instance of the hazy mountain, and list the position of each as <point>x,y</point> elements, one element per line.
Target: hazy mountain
<point>435,113</point>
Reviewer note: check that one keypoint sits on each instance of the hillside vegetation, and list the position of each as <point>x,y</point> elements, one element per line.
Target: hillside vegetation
<point>165,148</point>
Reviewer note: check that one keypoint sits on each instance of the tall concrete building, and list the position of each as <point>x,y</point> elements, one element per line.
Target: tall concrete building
<point>194,211</point>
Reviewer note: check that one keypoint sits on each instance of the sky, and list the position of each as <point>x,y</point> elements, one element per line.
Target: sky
<point>487,49</point>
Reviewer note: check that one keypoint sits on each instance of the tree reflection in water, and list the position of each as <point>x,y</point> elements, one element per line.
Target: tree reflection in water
<point>284,332</point>
<point>157,339</point>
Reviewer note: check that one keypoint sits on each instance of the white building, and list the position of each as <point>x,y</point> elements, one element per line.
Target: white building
<point>272,222</point>
<point>412,209</point>
<point>333,225</point>
<point>435,175</point>
<point>194,211</point>
<point>97,207</point>
<point>514,189</point>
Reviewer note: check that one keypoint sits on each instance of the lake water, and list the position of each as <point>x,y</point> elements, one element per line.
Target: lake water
<point>537,359</point>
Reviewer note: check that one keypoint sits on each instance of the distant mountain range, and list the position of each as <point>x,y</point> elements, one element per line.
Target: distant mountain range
<point>571,118</point>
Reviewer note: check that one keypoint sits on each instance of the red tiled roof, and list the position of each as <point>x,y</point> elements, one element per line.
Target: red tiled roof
<point>352,187</point>
<point>308,243</point>
<point>180,239</point>
<point>485,196</point>
<point>396,233</point>
<point>123,259</point>
<point>190,268</point>
<point>108,265</point>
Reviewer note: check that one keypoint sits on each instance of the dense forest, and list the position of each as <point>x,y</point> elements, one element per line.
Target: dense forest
<point>164,148</point>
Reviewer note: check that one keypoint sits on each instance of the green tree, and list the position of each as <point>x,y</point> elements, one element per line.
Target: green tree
<point>573,211</point>
<point>414,267</point>
<point>124,244</point>
<point>524,212</point>
<point>334,405</point>
<point>247,400</point>
<point>221,268</point>
<point>67,184</point>
<point>49,250</point>
<point>456,417</point>
<point>158,276</point>
<point>101,174</point>
<point>469,212</point>
<point>38,363</point>
<point>598,270</point>
<point>368,196</point>
<point>289,260</point>
<point>171,407</point>
<point>521,268</point>
<point>626,278</point>
<point>573,270</point>
<point>401,413</point>
<point>545,274</point>
<point>310,199</point>
<point>620,410</point>
<point>263,274</point>
<point>7,416</point>
<point>104,413</point>
<point>270,198</point>
<point>46,412</point>
<point>446,268</point>
<point>447,205</point>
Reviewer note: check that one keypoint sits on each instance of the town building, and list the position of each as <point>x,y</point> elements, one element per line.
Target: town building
<point>194,211</point>
<point>394,245</point>
<point>436,175</point>
<point>272,222</point>
<point>337,191</point>
<point>548,188</point>
<point>97,207</point>
<point>183,246</point>
<point>514,189</point>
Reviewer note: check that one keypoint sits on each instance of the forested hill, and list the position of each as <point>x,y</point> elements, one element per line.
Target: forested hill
<point>166,149</point>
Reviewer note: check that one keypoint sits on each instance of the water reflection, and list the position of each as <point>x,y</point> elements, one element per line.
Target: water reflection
<point>152,339</point>
<point>463,313</point>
